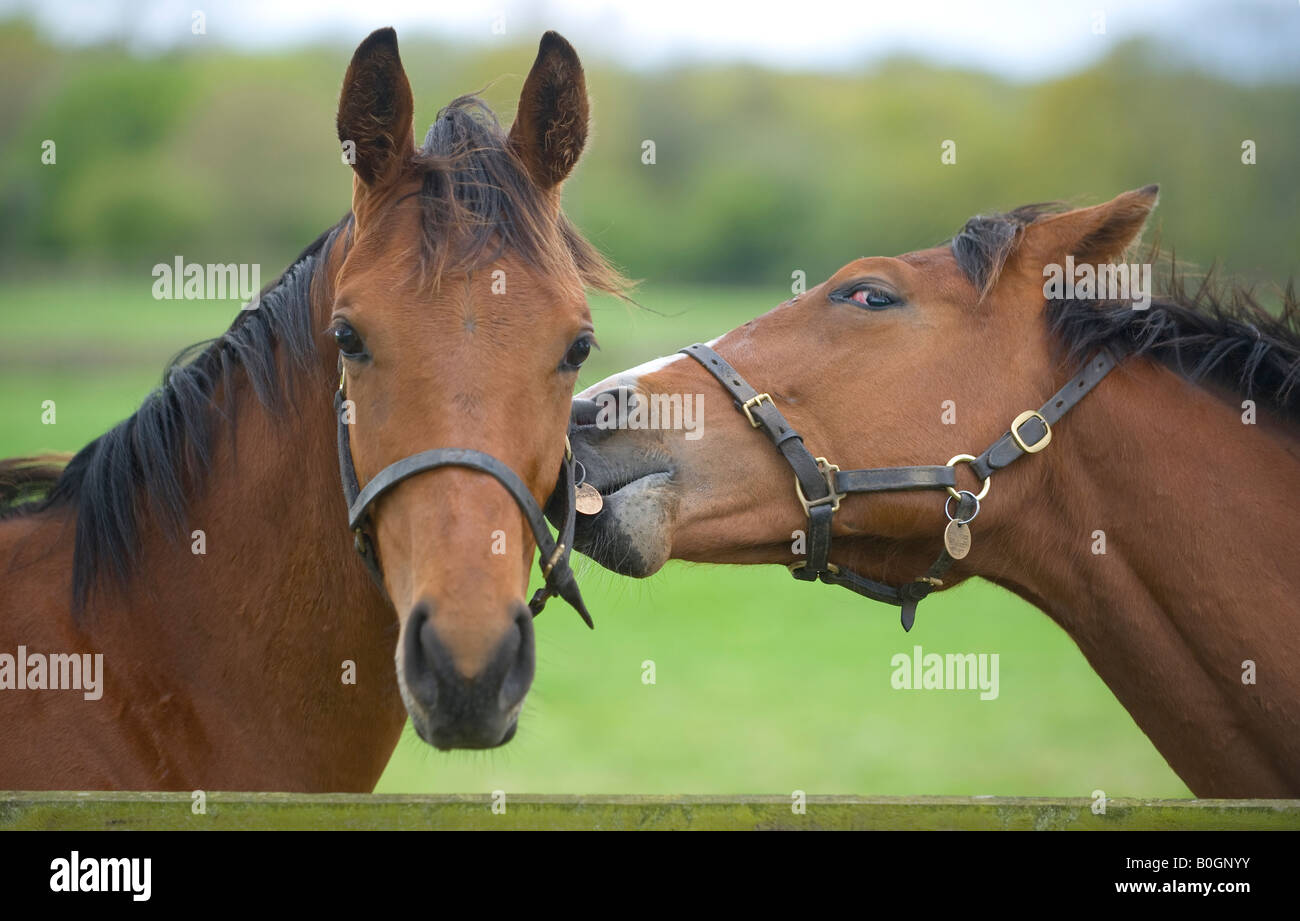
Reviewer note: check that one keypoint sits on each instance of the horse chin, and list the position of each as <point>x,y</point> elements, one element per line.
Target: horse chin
<point>632,534</point>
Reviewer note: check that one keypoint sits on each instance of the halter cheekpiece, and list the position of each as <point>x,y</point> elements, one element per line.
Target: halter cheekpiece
<point>553,556</point>
<point>820,485</point>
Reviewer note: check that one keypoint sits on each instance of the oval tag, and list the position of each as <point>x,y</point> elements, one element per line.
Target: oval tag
<point>588,500</point>
<point>956,539</point>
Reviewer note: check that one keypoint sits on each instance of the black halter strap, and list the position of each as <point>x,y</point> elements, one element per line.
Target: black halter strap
<point>554,555</point>
<point>821,485</point>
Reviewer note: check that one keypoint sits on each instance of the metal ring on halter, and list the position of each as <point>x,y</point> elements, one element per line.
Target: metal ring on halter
<point>578,480</point>
<point>967,458</point>
<point>964,492</point>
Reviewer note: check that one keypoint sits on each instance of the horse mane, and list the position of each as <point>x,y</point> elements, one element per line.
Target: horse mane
<point>156,457</point>
<point>477,203</point>
<point>1205,328</point>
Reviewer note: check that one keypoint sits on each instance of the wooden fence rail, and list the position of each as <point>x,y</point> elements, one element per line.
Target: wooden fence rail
<point>235,811</point>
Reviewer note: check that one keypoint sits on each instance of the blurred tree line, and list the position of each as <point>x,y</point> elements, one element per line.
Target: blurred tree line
<point>222,156</point>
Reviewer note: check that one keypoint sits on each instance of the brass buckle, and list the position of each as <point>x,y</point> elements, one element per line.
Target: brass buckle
<point>967,459</point>
<point>550,564</point>
<point>830,567</point>
<point>1021,420</point>
<point>828,471</point>
<point>568,449</point>
<point>754,401</point>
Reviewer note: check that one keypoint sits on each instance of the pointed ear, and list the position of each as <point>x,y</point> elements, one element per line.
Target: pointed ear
<point>550,128</point>
<point>376,109</point>
<point>1097,235</point>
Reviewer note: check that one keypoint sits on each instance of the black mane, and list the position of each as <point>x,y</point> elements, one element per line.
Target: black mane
<point>153,460</point>
<point>1212,331</point>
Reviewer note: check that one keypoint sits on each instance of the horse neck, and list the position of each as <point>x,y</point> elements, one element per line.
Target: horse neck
<point>287,602</point>
<point>254,633</point>
<point>1198,574</point>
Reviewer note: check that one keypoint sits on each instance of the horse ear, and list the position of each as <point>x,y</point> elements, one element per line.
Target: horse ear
<point>376,110</point>
<point>1095,235</point>
<point>550,128</point>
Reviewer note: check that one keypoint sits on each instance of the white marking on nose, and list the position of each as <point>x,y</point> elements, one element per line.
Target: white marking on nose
<point>631,376</point>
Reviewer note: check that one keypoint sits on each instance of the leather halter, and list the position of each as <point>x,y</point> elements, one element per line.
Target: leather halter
<point>820,485</point>
<point>554,556</point>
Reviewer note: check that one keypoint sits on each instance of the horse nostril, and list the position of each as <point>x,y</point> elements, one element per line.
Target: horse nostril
<point>419,654</point>
<point>519,650</point>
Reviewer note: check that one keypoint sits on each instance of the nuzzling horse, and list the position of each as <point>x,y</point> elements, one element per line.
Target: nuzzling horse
<point>828,417</point>
<point>204,547</point>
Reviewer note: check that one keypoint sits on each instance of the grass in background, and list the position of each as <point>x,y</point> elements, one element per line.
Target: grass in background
<point>763,684</point>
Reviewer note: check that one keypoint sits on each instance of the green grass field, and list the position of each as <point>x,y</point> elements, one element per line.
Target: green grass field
<point>764,685</point>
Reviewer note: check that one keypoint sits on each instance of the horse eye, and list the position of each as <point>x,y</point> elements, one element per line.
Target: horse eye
<point>577,353</point>
<point>872,297</point>
<point>348,341</point>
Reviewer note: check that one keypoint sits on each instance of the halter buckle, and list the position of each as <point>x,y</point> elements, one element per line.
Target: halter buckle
<point>828,471</point>
<point>752,402</point>
<point>830,567</point>
<point>550,564</point>
<point>1021,420</point>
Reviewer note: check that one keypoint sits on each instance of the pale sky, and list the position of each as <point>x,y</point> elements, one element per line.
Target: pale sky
<point>1018,38</point>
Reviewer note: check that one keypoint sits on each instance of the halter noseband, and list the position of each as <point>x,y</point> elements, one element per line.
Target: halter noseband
<point>820,485</point>
<point>554,556</point>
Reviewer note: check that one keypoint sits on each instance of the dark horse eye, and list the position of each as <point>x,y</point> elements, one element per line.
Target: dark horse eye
<point>348,341</point>
<point>577,353</point>
<point>873,298</point>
